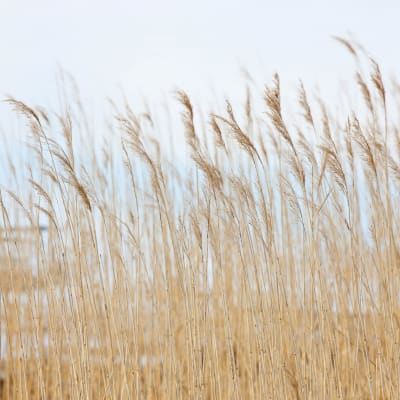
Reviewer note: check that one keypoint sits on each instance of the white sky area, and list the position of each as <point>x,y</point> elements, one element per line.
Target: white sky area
<point>148,48</point>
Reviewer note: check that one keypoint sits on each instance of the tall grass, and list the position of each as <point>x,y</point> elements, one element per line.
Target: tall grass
<point>264,265</point>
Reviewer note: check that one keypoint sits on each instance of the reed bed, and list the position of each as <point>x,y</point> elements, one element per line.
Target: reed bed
<point>260,262</point>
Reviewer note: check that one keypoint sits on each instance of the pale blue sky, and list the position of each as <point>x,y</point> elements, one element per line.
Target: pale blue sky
<point>150,47</point>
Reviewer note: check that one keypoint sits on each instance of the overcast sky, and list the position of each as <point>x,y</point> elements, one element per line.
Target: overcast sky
<point>150,47</point>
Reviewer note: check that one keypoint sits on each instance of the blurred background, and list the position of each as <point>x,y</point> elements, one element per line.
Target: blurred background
<point>147,49</point>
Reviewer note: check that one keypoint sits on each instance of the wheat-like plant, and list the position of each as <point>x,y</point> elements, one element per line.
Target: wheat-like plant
<point>265,265</point>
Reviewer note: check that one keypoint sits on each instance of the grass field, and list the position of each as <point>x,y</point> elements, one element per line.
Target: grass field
<point>260,262</point>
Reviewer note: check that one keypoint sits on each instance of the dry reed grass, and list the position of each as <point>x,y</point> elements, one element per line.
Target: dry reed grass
<point>267,268</point>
